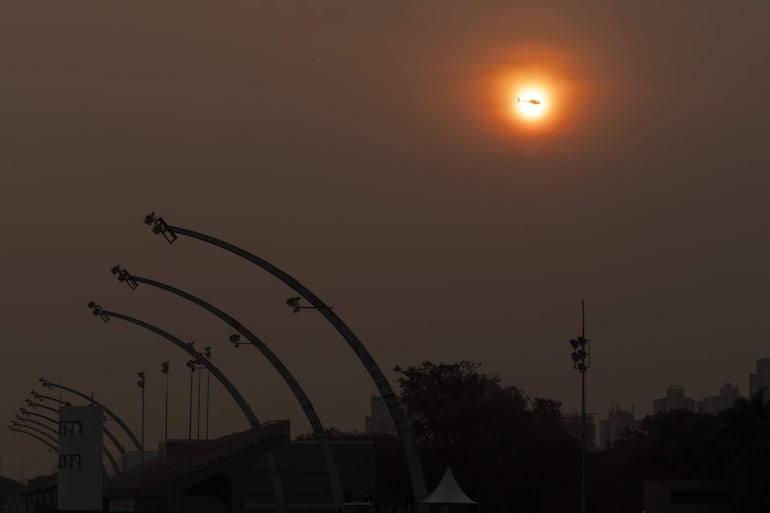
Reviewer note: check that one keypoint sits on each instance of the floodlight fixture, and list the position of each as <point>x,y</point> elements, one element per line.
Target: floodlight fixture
<point>124,276</point>
<point>236,340</point>
<point>296,305</point>
<point>98,311</point>
<point>159,226</point>
<point>207,351</point>
<point>164,367</point>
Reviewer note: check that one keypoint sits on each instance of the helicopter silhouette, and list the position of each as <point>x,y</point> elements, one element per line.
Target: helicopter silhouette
<point>532,101</point>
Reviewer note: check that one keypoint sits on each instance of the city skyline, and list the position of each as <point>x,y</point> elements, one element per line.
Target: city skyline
<point>390,182</point>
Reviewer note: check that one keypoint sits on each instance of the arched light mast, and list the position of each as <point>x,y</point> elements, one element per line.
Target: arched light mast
<point>171,233</point>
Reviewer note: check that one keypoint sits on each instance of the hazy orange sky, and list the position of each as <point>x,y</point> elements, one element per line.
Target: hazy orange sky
<point>369,150</point>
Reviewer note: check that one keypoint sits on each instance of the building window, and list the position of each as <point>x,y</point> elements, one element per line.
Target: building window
<point>69,461</point>
<point>70,428</point>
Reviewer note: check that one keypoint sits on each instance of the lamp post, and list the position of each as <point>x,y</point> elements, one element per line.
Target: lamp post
<point>581,360</point>
<point>140,384</point>
<point>50,386</point>
<point>164,368</point>
<point>25,423</point>
<point>198,420</point>
<point>207,352</point>
<point>51,447</point>
<point>188,348</point>
<point>41,397</point>
<point>307,406</point>
<point>56,433</point>
<point>414,465</point>
<point>33,404</point>
<point>191,364</point>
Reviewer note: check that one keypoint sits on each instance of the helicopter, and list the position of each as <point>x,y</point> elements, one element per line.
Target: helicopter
<point>532,101</point>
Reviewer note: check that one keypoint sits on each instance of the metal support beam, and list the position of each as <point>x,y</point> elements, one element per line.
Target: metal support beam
<point>171,233</point>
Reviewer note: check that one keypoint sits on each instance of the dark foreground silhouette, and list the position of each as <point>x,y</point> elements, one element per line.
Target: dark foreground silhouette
<point>510,453</point>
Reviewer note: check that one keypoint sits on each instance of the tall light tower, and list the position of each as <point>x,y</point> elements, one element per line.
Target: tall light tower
<point>140,384</point>
<point>581,359</point>
<point>414,465</point>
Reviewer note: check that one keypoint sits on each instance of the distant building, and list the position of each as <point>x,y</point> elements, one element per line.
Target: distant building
<point>380,422</point>
<point>617,426</point>
<point>728,394</point>
<point>573,425</point>
<point>674,400</point>
<point>231,473</point>
<point>761,379</point>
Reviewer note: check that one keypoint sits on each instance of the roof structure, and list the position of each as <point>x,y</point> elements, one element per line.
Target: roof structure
<point>187,460</point>
<point>448,492</point>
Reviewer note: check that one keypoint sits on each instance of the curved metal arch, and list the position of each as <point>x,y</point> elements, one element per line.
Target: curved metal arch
<point>46,417</point>
<point>51,398</point>
<point>33,404</point>
<point>106,452</point>
<point>107,432</point>
<point>299,393</point>
<point>117,419</point>
<point>383,386</point>
<point>49,444</point>
<point>38,430</point>
<point>37,422</point>
<point>189,349</point>
<point>240,401</point>
<point>114,440</point>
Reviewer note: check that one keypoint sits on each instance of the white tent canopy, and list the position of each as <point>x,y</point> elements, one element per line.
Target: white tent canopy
<point>447,492</point>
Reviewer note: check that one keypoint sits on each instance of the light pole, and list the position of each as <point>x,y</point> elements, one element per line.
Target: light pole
<point>191,365</point>
<point>41,397</point>
<point>25,423</point>
<point>26,412</point>
<point>207,352</point>
<point>164,368</point>
<point>51,447</point>
<point>55,432</point>
<point>188,347</point>
<point>307,406</point>
<point>140,384</point>
<point>581,360</point>
<point>50,385</point>
<point>414,465</point>
<point>198,422</point>
<point>33,404</point>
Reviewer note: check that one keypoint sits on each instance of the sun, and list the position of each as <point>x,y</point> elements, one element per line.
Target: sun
<point>531,104</point>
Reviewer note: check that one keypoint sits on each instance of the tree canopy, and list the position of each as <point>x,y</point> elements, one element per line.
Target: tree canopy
<point>509,452</point>
<point>501,444</point>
